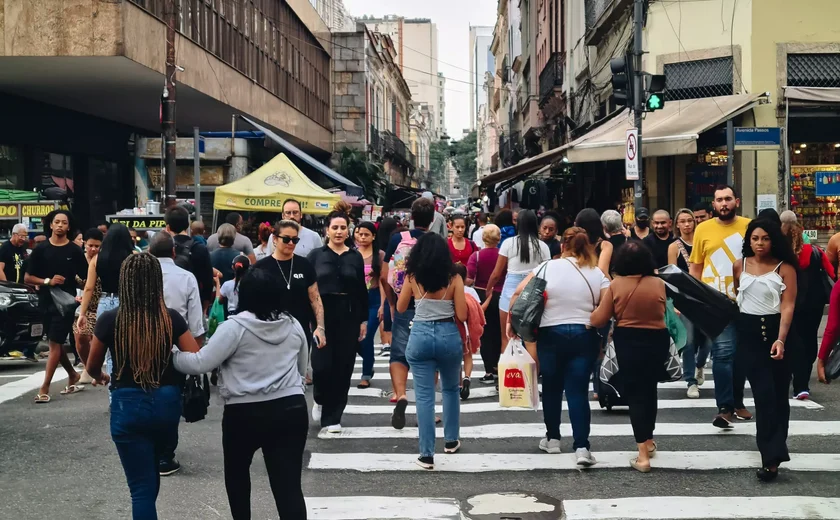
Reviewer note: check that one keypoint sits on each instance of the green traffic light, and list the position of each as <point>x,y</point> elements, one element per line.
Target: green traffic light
<point>654,102</point>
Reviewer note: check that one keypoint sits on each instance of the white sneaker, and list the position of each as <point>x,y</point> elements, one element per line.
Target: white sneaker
<point>316,412</point>
<point>693,392</point>
<point>584,457</point>
<point>699,376</point>
<point>550,446</point>
<point>335,428</point>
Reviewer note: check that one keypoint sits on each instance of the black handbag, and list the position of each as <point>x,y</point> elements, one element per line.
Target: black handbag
<point>527,311</point>
<point>832,364</point>
<point>63,302</point>
<point>195,398</point>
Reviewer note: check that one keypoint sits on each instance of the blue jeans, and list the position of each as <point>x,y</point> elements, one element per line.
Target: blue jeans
<point>435,346</point>
<point>566,354</point>
<point>142,424</point>
<point>695,353</point>
<point>366,346</point>
<point>723,356</point>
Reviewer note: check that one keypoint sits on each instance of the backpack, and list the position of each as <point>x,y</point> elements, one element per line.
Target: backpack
<point>183,254</point>
<point>396,266</point>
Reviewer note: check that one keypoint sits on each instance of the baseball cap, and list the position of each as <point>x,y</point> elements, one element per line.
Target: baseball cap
<point>643,213</point>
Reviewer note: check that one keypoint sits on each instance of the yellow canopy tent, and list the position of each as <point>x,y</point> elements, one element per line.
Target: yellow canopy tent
<point>266,188</point>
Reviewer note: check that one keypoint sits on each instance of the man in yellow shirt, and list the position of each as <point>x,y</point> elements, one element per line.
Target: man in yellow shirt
<point>718,244</point>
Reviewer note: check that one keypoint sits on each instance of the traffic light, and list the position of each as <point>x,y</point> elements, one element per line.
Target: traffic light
<point>655,99</point>
<point>622,80</point>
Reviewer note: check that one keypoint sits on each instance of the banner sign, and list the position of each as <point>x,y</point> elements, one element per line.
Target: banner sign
<point>758,138</point>
<point>828,183</point>
<point>139,222</point>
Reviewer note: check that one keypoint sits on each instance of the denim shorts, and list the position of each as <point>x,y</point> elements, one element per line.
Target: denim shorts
<point>512,281</point>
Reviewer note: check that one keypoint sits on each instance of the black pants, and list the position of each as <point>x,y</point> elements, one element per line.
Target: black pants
<point>279,428</point>
<point>491,340</point>
<point>641,361</point>
<point>770,381</point>
<point>332,365</point>
<point>806,323</point>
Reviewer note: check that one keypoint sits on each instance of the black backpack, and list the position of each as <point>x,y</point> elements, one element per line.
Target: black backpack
<point>183,254</point>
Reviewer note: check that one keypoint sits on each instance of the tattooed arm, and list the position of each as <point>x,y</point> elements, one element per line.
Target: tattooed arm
<point>318,311</point>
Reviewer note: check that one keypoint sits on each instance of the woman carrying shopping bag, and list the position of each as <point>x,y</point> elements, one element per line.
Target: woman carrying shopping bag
<point>567,343</point>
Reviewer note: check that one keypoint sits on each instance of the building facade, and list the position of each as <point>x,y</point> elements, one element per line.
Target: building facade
<point>482,61</point>
<point>421,127</point>
<point>334,14</point>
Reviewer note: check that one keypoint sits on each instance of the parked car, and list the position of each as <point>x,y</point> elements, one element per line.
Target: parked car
<point>21,326</point>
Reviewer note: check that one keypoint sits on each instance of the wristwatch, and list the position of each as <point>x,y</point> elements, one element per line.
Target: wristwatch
<point>47,281</point>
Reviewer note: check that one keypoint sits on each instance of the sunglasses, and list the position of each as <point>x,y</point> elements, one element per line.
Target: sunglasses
<point>286,240</point>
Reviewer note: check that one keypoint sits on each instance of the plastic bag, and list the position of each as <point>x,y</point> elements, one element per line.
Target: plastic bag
<point>675,326</point>
<point>710,310</point>
<point>518,378</point>
<point>215,317</point>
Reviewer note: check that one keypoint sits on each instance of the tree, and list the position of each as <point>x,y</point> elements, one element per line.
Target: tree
<point>368,174</point>
<point>438,157</point>
<point>464,154</point>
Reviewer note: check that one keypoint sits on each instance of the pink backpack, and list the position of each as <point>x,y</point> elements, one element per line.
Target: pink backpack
<point>396,267</point>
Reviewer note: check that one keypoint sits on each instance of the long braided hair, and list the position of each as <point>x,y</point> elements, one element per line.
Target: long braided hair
<point>143,334</point>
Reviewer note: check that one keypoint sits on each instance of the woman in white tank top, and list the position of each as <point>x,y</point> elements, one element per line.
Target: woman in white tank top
<point>765,281</point>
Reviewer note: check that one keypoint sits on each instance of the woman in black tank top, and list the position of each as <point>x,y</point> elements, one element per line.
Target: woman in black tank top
<point>679,252</point>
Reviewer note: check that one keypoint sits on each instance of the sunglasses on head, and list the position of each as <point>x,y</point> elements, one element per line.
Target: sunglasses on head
<point>286,240</point>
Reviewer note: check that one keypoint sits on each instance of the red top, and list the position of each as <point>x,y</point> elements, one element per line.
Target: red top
<point>832,328</point>
<point>805,260</point>
<point>461,256</point>
<point>481,266</point>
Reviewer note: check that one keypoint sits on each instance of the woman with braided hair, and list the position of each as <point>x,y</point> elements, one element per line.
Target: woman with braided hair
<point>145,387</point>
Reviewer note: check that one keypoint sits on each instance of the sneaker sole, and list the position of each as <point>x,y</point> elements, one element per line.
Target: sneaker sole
<point>452,450</point>
<point>424,465</point>
<point>552,451</point>
<point>722,423</point>
<point>398,417</point>
<point>170,472</point>
<point>586,462</point>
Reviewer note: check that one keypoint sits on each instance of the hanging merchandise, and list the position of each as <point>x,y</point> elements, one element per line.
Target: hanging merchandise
<point>534,194</point>
<point>814,196</point>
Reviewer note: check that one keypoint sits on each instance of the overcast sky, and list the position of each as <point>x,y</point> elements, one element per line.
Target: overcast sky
<point>453,19</point>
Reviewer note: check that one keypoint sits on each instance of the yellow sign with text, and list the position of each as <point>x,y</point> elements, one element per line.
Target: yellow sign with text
<point>36,210</point>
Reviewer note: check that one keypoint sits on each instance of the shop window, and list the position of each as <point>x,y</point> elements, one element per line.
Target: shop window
<point>814,176</point>
<point>56,170</point>
<point>103,183</point>
<point>11,167</point>
<point>698,79</point>
<point>813,70</point>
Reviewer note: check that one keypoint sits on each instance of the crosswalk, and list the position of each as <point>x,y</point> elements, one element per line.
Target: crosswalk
<point>501,444</point>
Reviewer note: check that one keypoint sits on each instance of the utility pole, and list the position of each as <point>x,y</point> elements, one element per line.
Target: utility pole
<point>168,106</point>
<point>638,99</point>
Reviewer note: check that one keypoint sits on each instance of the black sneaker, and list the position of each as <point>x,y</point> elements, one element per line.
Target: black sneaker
<point>168,467</point>
<point>426,462</point>
<point>765,475</point>
<point>723,420</point>
<point>465,389</point>
<point>398,417</point>
<point>452,447</point>
<point>488,379</point>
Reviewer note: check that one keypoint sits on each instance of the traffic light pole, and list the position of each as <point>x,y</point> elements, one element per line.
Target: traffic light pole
<point>638,99</point>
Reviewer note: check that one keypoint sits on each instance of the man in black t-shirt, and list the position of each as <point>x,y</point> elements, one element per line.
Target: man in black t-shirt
<point>196,254</point>
<point>661,238</point>
<point>12,255</point>
<point>53,265</point>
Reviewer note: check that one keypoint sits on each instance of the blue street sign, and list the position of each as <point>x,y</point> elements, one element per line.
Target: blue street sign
<point>828,184</point>
<point>748,138</point>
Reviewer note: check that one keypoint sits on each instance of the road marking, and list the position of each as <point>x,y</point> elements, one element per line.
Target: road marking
<point>663,404</point>
<point>382,375</point>
<point>485,462</point>
<point>537,430</point>
<point>31,382</point>
<point>363,508</point>
<point>696,508</point>
<point>15,376</point>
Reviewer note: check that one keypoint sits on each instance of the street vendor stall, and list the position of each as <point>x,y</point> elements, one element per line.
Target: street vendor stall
<point>29,213</point>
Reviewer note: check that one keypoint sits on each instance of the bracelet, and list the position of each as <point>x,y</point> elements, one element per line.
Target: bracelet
<point>779,341</point>
<point>319,327</point>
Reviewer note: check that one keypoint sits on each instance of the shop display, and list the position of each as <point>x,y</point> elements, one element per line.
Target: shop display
<point>814,194</point>
<point>627,209</point>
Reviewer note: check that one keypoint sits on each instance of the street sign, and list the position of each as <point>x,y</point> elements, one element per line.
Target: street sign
<point>631,163</point>
<point>758,138</point>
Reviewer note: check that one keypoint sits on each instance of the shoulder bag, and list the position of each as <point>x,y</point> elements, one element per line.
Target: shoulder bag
<point>527,311</point>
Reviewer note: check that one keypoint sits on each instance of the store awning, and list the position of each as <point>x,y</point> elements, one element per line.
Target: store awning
<point>813,95</point>
<point>349,186</point>
<point>674,130</point>
<point>523,168</point>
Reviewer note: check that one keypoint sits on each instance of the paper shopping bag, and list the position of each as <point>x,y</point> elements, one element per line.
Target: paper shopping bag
<point>518,378</point>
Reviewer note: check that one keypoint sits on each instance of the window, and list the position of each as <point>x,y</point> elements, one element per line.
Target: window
<point>813,70</point>
<point>11,167</point>
<point>698,79</point>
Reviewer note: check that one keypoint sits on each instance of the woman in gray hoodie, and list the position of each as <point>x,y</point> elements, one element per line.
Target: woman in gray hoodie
<point>261,353</point>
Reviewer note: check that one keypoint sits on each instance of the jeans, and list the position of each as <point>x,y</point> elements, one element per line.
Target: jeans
<point>108,303</point>
<point>366,346</point>
<point>723,356</point>
<point>143,423</point>
<point>566,354</point>
<point>279,428</point>
<point>695,353</point>
<point>436,346</point>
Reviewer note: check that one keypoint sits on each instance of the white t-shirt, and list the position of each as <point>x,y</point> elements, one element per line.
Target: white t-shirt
<point>230,292</point>
<point>469,291</point>
<point>510,249</point>
<point>478,238</point>
<point>568,300</point>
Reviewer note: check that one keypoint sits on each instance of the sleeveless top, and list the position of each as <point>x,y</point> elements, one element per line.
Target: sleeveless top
<point>434,310</point>
<point>760,295</point>
<point>684,254</point>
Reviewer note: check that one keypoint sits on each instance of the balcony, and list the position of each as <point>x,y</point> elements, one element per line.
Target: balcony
<point>551,77</point>
<point>509,149</point>
<point>388,146</point>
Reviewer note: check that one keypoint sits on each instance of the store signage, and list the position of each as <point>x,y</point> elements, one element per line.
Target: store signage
<point>828,184</point>
<point>139,222</point>
<point>769,138</point>
<point>631,163</point>
<point>811,234</point>
<point>766,201</point>
<point>22,209</point>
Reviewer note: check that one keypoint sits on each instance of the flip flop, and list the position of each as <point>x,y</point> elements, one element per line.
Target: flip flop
<point>42,398</point>
<point>72,389</point>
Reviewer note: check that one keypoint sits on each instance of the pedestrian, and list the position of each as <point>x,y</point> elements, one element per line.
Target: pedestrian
<point>636,299</point>
<point>383,236</point>
<point>589,220</point>
<point>518,257</point>
<point>264,249</point>
<point>696,350</point>
<point>789,217</point>
<point>340,275</point>
<point>718,243</point>
<point>229,290</point>
<point>145,386</point>
<point>309,240</point>
<point>567,344</point>
<point>261,355</point>
<point>811,299</point>
<point>830,335</point>
<point>701,212</point>
<point>368,246</point>
<point>661,239</point>
<point>438,224</point>
<point>135,239</point>
<point>93,242</point>
<point>241,243</point>
<point>479,268</point>
<point>478,233</point>
<point>392,279</point>
<point>614,229</point>
<point>460,248</point>
<point>548,233</point>
<point>434,344</point>
<point>222,258</point>
<point>765,281</point>
<point>53,266</point>
<point>504,219</point>
<point>13,254</point>
<point>642,227</point>
<point>190,253</point>
<point>197,232</point>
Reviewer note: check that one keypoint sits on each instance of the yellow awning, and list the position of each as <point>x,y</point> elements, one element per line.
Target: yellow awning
<point>266,188</point>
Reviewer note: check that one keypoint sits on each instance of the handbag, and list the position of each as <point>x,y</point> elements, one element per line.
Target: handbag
<point>195,398</point>
<point>527,311</point>
<point>673,367</point>
<point>63,302</point>
<point>826,284</point>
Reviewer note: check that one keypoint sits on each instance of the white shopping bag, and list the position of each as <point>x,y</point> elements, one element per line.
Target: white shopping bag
<point>518,378</point>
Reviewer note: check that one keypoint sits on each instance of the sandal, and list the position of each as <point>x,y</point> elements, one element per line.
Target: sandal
<point>652,451</point>
<point>42,398</point>
<point>364,384</point>
<point>634,463</point>
<point>72,389</point>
